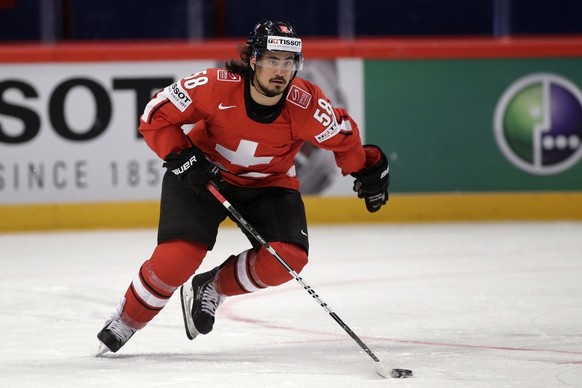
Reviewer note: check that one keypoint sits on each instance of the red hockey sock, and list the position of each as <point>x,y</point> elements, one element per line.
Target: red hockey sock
<point>171,264</point>
<point>253,270</point>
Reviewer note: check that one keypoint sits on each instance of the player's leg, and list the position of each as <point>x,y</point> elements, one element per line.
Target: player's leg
<point>171,264</point>
<point>279,216</point>
<point>253,270</point>
<point>187,229</point>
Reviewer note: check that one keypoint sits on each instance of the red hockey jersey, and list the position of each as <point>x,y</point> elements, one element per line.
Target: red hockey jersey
<point>250,153</point>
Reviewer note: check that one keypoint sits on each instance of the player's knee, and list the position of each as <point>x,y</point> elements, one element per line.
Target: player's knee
<point>175,261</point>
<point>271,272</point>
<point>293,254</point>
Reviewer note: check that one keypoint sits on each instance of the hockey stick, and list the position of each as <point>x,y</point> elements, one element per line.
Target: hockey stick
<point>378,366</point>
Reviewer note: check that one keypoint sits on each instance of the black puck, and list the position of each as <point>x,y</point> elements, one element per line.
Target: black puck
<point>400,373</point>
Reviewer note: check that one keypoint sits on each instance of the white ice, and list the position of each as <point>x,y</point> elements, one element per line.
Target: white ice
<point>462,304</point>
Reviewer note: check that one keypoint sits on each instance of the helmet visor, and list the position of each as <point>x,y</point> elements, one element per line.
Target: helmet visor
<point>287,64</point>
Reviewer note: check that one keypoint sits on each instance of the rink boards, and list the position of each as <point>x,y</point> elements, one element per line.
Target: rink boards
<point>320,210</point>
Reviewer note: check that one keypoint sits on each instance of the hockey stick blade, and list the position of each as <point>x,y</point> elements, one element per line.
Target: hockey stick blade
<point>381,370</point>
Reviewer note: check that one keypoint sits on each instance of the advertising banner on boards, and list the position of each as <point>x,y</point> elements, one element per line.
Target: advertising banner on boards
<point>68,131</point>
<point>480,125</point>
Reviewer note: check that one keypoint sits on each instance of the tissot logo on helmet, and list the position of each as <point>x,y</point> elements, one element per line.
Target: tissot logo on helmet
<point>275,43</point>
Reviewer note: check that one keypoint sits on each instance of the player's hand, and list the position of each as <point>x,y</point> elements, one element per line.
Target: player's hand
<point>372,181</point>
<point>193,169</point>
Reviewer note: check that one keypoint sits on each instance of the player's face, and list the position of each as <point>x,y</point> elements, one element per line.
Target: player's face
<point>273,72</point>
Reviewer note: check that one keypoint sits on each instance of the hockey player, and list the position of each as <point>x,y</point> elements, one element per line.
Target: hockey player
<point>250,120</point>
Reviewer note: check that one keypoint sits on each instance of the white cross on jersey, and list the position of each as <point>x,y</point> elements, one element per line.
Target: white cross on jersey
<point>244,154</point>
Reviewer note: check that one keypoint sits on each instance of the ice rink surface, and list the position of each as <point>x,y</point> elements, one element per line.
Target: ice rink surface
<point>462,304</point>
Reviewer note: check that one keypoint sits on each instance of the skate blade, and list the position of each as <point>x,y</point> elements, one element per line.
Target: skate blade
<point>186,295</point>
<point>102,350</point>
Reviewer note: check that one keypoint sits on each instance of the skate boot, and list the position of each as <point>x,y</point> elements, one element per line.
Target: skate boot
<point>114,334</point>
<point>199,303</point>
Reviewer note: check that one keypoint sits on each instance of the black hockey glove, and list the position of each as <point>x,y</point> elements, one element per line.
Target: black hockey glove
<point>193,169</point>
<point>372,182</point>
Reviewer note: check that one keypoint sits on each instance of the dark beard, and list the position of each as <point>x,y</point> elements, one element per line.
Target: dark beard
<point>263,90</point>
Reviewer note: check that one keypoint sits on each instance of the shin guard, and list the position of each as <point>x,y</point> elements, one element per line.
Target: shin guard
<point>253,270</point>
<point>171,264</point>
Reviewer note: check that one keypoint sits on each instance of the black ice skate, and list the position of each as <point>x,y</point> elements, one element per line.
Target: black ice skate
<point>113,336</point>
<point>199,303</point>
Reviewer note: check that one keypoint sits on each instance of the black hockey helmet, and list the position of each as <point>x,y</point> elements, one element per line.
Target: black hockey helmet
<point>275,36</point>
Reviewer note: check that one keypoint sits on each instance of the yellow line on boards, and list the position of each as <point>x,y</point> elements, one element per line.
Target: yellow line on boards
<point>545,206</point>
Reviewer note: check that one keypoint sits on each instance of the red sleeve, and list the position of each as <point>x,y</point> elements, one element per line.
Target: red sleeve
<point>350,157</point>
<point>328,127</point>
<point>171,108</point>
